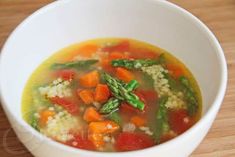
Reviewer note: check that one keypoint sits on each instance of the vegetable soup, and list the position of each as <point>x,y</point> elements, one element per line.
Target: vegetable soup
<point>111,95</point>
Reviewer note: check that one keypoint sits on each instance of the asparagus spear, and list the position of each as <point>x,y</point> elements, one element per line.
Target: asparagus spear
<point>133,84</point>
<point>183,85</point>
<point>114,85</point>
<point>113,103</point>
<point>172,82</point>
<point>34,122</point>
<point>162,121</point>
<point>189,93</point>
<point>138,63</point>
<point>161,59</point>
<point>109,106</point>
<point>133,64</point>
<point>120,92</point>
<point>74,64</point>
<point>114,116</point>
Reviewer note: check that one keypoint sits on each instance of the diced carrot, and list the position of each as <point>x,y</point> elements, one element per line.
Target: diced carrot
<point>138,121</point>
<point>103,127</point>
<point>102,93</point>
<point>97,139</point>
<point>86,95</point>
<point>91,115</point>
<point>84,51</point>
<point>90,79</point>
<point>175,70</point>
<point>88,50</point>
<point>66,74</point>
<point>106,64</point>
<point>106,61</point>
<point>44,116</point>
<point>97,130</point>
<point>117,55</point>
<point>124,74</point>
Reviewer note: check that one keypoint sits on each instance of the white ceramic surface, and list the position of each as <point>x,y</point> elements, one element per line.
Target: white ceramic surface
<point>66,22</point>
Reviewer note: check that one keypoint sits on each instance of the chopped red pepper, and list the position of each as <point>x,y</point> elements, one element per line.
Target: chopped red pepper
<point>179,120</point>
<point>127,141</point>
<point>148,95</point>
<point>66,74</point>
<point>70,106</point>
<point>120,47</point>
<point>81,142</point>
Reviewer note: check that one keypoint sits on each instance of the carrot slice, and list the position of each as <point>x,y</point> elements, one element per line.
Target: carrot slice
<point>124,74</point>
<point>84,51</point>
<point>88,50</point>
<point>86,95</point>
<point>175,70</point>
<point>44,116</point>
<point>96,131</point>
<point>103,127</point>
<point>91,115</point>
<point>138,121</point>
<point>106,64</point>
<point>90,79</point>
<point>102,93</point>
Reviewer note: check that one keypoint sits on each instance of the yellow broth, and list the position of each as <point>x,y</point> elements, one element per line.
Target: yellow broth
<point>65,103</point>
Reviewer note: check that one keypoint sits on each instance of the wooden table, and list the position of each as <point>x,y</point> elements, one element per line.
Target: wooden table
<point>219,16</point>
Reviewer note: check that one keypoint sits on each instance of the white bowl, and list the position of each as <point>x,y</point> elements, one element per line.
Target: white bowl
<point>70,21</point>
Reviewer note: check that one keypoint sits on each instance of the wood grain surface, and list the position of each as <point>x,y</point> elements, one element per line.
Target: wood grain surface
<point>218,15</point>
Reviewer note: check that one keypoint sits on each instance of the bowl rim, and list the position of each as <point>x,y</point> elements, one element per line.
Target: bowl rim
<point>213,109</point>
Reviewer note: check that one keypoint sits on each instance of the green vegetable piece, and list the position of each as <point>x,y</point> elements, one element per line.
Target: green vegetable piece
<point>162,120</point>
<point>113,103</point>
<point>114,85</point>
<point>133,84</point>
<point>190,95</point>
<point>74,64</point>
<point>138,63</point>
<point>120,92</point>
<point>110,106</point>
<point>133,64</point>
<point>114,116</point>
<point>172,82</point>
<point>34,122</point>
<point>161,59</point>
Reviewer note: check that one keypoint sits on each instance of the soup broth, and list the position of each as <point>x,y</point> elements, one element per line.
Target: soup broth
<point>111,95</point>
